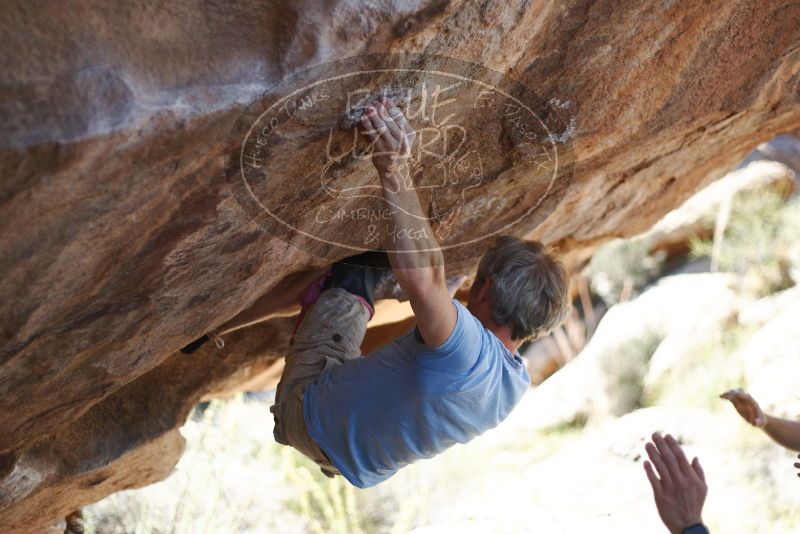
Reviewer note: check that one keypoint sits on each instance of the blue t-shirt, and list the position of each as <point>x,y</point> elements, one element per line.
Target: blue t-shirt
<point>376,414</point>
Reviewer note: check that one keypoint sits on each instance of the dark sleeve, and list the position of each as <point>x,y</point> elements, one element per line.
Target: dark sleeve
<point>699,528</point>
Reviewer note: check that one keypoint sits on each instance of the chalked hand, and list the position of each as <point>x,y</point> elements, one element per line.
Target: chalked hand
<point>391,135</point>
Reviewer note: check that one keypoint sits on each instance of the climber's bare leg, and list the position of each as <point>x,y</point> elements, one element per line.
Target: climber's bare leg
<point>281,300</point>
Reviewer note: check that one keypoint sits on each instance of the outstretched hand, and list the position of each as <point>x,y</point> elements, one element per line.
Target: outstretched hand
<point>747,407</point>
<point>680,487</point>
<point>391,135</point>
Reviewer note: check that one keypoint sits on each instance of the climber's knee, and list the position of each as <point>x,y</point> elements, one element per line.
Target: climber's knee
<point>334,327</point>
<point>359,275</point>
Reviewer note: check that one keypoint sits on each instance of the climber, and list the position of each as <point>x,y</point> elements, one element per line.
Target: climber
<point>455,375</point>
<point>782,431</point>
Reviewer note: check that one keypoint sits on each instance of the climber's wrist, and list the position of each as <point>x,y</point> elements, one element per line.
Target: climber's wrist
<point>394,176</point>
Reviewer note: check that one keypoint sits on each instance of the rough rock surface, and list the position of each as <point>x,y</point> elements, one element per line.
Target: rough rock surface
<point>120,241</point>
<point>130,439</point>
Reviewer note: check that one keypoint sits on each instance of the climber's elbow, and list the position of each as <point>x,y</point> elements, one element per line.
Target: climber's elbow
<point>419,282</point>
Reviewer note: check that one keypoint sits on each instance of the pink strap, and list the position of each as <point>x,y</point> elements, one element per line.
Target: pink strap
<point>312,292</point>
<point>307,299</point>
<point>310,296</point>
<point>369,308</point>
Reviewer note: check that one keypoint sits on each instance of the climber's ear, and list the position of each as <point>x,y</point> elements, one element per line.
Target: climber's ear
<point>483,290</point>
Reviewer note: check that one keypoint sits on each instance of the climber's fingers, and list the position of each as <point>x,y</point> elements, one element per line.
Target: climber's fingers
<point>396,113</point>
<point>395,130</point>
<point>655,482</point>
<point>747,407</point>
<point>388,129</point>
<point>369,129</point>
<point>377,131</point>
<point>399,120</point>
<point>375,121</point>
<point>664,477</point>
<point>404,134</point>
<point>384,143</point>
<point>366,126</point>
<point>408,133</point>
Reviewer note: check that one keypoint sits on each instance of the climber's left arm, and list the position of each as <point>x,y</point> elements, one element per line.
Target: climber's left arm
<point>281,300</point>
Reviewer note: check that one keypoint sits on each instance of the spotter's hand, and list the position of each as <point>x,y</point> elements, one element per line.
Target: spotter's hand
<point>679,488</point>
<point>747,407</point>
<point>391,135</point>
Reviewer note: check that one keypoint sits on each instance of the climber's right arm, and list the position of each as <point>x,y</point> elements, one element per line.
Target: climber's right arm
<point>416,257</point>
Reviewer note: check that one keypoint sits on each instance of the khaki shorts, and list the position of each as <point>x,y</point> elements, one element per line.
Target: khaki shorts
<point>330,333</point>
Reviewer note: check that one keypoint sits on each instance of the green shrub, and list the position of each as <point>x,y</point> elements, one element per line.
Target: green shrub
<point>622,265</point>
<point>330,504</point>
<point>625,369</point>
<point>712,369</point>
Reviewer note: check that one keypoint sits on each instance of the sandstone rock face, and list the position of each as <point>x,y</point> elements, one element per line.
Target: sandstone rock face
<point>122,241</point>
<point>130,439</point>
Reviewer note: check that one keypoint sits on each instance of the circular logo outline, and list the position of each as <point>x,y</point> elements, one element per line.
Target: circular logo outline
<point>241,177</point>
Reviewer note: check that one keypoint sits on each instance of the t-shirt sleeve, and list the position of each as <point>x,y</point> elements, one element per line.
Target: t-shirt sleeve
<point>461,349</point>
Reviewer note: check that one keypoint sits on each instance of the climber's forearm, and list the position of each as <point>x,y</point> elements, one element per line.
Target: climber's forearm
<point>418,263</point>
<point>414,253</point>
<point>784,432</point>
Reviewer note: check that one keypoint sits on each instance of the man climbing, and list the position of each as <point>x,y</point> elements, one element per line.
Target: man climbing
<point>456,375</point>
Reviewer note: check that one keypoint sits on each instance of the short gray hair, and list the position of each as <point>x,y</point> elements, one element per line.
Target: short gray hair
<point>530,286</point>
